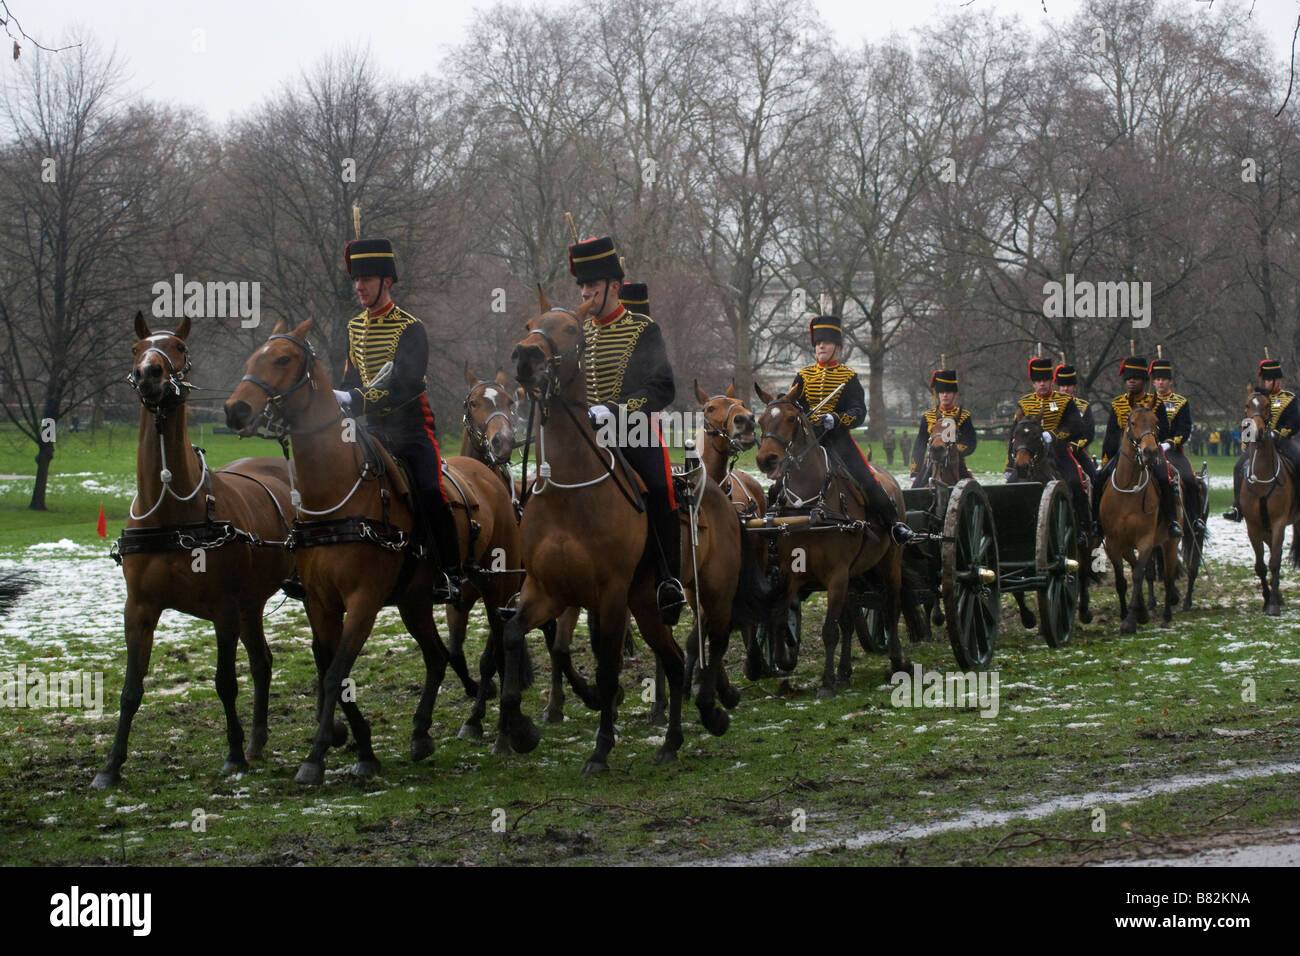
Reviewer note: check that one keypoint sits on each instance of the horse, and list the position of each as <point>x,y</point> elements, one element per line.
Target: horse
<point>583,535</point>
<point>195,550</point>
<point>1268,500</point>
<point>1031,461</point>
<point>860,545</point>
<point>356,562</point>
<point>728,430</point>
<point>13,585</point>
<point>944,462</point>
<point>1130,519</point>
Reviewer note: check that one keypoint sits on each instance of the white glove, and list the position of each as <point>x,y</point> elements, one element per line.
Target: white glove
<point>1164,445</point>
<point>599,413</point>
<point>827,422</point>
<point>1047,438</point>
<point>381,380</point>
<point>344,399</point>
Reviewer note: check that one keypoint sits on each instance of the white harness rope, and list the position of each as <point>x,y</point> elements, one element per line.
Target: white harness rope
<point>166,476</point>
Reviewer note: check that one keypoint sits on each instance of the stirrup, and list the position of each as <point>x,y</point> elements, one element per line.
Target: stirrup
<point>292,586</point>
<point>1234,514</point>
<point>670,596</point>
<point>901,533</point>
<point>449,592</point>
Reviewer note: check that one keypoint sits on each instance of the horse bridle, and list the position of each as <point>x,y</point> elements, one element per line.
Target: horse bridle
<point>274,423</point>
<point>1277,458</point>
<point>556,358</point>
<point>1034,457</point>
<point>478,434</point>
<point>732,443</point>
<point>175,380</point>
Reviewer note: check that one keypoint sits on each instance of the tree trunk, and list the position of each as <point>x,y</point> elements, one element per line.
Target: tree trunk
<point>876,423</point>
<point>43,457</point>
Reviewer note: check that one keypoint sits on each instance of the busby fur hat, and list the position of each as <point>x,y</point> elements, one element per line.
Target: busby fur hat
<point>1270,368</point>
<point>370,257</point>
<point>1040,370</point>
<point>944,380</point>
<point>826,328</point>
<point>1066,375</point>
<point>1162,367</point>
<point>594,259</point>
<point>1134,367</point>
<point>635,297</point>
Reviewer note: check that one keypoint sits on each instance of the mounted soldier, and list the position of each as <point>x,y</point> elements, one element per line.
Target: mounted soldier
<point>1066,378</point>
<point>1135,372</point>
<point>1062,425</point>
<point>1174,440</point>
<point>627,368</point>
<point>832,395</point>
<point>384,379</point>
<point>943,385</point>
<point>1284,421</point>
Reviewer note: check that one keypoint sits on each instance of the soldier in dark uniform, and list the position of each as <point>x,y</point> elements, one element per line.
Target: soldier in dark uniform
<point>1062,424</point>
<point>384,379</point>
<point>943,384</point>
<point>1173,442</point>
<point>635,297</point>
<point>834,419</point>
<point>1135,373</point>
<point>889,443</point>
<point>1284,422</point>
<point>627,365</point>
<point>1067,383</point>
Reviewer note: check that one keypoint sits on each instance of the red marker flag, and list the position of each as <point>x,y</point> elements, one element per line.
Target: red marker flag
<point>101,527</point>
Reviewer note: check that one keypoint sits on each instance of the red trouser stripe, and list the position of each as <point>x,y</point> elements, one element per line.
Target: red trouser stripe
<point>428,429</point>
<point>668,467</point>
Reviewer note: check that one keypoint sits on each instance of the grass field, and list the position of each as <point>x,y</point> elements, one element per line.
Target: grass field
<point>1200,720</point>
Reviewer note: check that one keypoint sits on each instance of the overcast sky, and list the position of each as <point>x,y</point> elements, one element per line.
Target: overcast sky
<point>253,46</point>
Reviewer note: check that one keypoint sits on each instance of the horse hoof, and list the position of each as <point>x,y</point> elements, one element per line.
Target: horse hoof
<point>593,767</point>
<point>729,696</point>
<point>1085,616</point>
<point>501,747</point>
<point>340,734</point>
<point>1028,619</point>
<point>470,730</point>
<point>1272,610</point>
<point>902,667</point>
<point>525,736</point>
<point>310,774</point>
<point>1128,627</point>
<point>233,767</point>
<point>665,754</point>
<point>256,744</point>
<point>365,769</point>
<point>843,680</point>
<point>105,780</point>
<point>716,721</point>
<point>825,692</point>
<point>553,715</point>
<point>421,747</point>
<point>657,717</point>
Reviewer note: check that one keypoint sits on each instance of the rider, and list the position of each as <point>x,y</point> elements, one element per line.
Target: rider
<point>1173,441</point>
<point>1284,422</point>
<point>1067,383</point>
<point>836,394</point>
<point>384,379</point>
<point>1062,425</point>
<point>1135,372</point>
<point>943,384</point>
<point>627,365</point>
<point>635,297</point>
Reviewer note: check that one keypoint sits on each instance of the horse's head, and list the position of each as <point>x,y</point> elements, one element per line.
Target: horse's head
<point>787,433</point>
<point>490,415</point>
<point>1142,434</point>
<point>1259,412</point>
<point>548,358</point>
<point>943,441</point>
<point>281,378</point>
<point>726,417</point>
<point>159,363</point>
<point>1027,446</point>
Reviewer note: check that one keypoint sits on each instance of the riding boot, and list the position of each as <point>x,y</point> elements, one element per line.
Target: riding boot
<point>667,532</point>
<point>883,505</point>
<point>444,546</point>
<point>1169,510</point>
<point>1235,513</point>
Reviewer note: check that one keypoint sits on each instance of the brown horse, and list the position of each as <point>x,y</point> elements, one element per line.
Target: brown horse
<point>583,534</point>
<point>850,543</point>
<point>1130,519</point>
<point>357,556</point>
<point>1268,500</point>
<point>947,464</point>
<point>190,545</point>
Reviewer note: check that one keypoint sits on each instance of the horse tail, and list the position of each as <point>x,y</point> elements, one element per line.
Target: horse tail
<point>13,585</point>
<point>755,598</point>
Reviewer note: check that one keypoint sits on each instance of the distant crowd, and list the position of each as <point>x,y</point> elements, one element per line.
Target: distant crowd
<point>1206,441</point>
